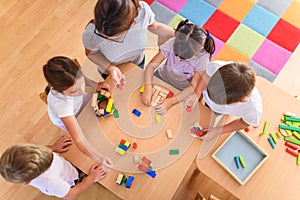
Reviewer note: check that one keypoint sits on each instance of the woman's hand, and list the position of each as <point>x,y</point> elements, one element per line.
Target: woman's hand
<point>61,145</point>
<point>164,106</point>
<point>117,77</point>
<point>102,86</point>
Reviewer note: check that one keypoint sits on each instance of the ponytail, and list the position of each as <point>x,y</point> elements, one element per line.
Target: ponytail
<point>209,44</point>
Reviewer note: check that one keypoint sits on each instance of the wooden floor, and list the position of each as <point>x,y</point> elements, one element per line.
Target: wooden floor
<point>31,32</point>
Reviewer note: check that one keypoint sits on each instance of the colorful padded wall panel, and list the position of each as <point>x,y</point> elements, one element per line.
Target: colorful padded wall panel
<point>262,33</point>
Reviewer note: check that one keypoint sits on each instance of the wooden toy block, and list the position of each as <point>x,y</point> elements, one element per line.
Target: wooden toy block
<point>129,182</point>
<point>237,162</point>
<point>142,90</point>
<point>291,145</point>
<point>192,130</point>
<point>164,91</point>
<point>136,159</point>
<point>288,132</point>
<point>156,87</point>
<point>291,128</point>
<point>247,129</point>
<point>136,112</point>
<point>188,109</point>
<point>94,101</point>
<point>265,128</point>
<point>158,118</point>
<point>163,95</point>
<point>290,114</point>
<point>288,123</point>
<point>122,141</point>
<point>278,134</point>
<point>102,92</point>
<point>296,134</point>
<point>119,179</point>
<point>298,159</point>
<point>142,168</point>
<point>124,147</point>
<point>271,142</point>
<point>155,95</point>
<point>109,104</point>
<point>146,160</point>
<point>173,151</point>
<point>151,173</point>
<point>157,99</point>
<point>127,143</point>
<point>292,140</point>
<point>292,152</point>
<point>199,132</point>
<point>116,113</point>
<point>120,151</point>
<point>242,161</point>
<point>107,94</point>
<point>170,94</point>
<point>169,133</point>
<point>153,104</point>
<point>134,145</point>
<point>297,124</point>
<point>273,137</point>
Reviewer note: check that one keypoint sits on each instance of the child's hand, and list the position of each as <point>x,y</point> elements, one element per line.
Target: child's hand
<point>96,172</point>
<point>208,134</point>
<point>191,101</point>
<point>61,145</point>
<point>102,86</point>
<point>163,107</point>
<point>118,78</point>
<point>147,95</point>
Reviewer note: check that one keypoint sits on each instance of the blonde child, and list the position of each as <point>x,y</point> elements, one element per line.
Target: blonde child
<point>42,168</point>
<point>187,55</point>
<point>230,91</point>
<point>67,96</point>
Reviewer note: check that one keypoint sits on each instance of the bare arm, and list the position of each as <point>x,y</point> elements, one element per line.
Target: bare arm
<point>75,131</point>
<point>96,173</point>
<point>163,31</point>
<point>148,76</point>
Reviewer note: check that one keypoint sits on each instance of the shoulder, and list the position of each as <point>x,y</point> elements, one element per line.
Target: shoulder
<point>145,14</point>
<point>89,38</point>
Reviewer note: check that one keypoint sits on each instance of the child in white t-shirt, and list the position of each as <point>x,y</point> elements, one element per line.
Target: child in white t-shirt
<point>67,96</point>
<point>187,55</point>
<point>47,171</point>
<point>231,91</point>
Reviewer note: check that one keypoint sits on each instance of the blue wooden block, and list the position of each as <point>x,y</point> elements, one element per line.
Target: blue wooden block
<point>129,181</point>
<point>124,147</point>
<point>151,173</point>
<point>136,112</point>
<point>237,162</point>
<point>271,142</point>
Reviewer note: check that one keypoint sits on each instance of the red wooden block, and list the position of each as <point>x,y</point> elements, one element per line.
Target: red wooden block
<point>199,132</point>
<point>146,160</point>
<point>247,129</point>
<point>170,94</point>
<point>290,151</point>
<point>134,145</point>
<point>122,141</point>
<point>291,145</point>
<point>188,108</point>
<point>149,1</point>
<point>221,25</point>
<point>286,35</point>
<point>192,130</point>
<point>142,168</point>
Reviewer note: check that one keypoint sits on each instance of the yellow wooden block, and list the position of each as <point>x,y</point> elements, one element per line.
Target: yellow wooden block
<point>158,118</point>
<point>142,89</point>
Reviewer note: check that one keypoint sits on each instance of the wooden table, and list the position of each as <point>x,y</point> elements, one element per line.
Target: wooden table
<point>279,176</point>
<point>168,178</point>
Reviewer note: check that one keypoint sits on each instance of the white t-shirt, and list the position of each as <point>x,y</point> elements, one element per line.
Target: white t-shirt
<point>179,73</point>
<point>58,179</point>
<point>60,105</point>
<point>249,111</point>
<point>133,45</point>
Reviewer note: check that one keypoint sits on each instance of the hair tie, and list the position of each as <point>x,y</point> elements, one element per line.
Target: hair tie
<point>181,24</point>
<point>207,35</point>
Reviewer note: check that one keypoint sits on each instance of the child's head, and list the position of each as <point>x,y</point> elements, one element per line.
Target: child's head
<point>190,39</point>
<point>64,75</point>
<point>115,16</point>
<point>232,83</point>
<point>22,163</point>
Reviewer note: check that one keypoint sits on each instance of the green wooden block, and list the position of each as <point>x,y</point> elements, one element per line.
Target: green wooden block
<point>296,134</point>
<point>274,138</point>
<point>292,119</point>
<point>291,128</point>
<point>298,159</point>
<point>242,162</point>
<point>292,140</point>
<point>116,114</point>
<point>174,152</point>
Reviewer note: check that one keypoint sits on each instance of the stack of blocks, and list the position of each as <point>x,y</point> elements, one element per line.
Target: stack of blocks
<point>122,179</point>
<point>123,147</point>
<point>147,167</point>
<point>98,98</point>
<point>158,94</point>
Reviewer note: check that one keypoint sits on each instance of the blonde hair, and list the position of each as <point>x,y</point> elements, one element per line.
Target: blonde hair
<point>24,162</point>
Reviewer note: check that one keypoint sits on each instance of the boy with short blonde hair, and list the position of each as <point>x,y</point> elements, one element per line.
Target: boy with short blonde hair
<point>45,170</point>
